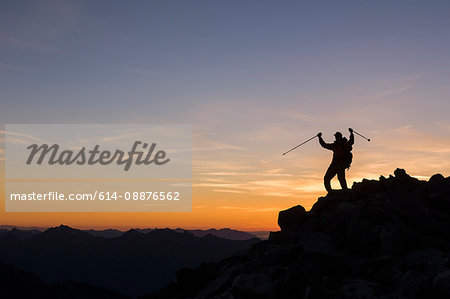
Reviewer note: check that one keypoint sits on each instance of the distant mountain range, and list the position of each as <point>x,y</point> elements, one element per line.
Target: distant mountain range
<point>132,262</point>
<point>225,233</point>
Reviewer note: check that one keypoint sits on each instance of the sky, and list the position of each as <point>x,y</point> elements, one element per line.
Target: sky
<point>254,78</point>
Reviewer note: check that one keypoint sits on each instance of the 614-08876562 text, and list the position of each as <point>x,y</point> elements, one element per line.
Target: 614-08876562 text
<point>97,195</point>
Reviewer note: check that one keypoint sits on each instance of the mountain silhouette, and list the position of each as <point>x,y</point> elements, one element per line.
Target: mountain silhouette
<point>224,233</point>
<point>105,233</point>
<point>19,234</point>
<point>63,232</point>
<point>132,263</point>
<point>15,283</point>
<point>386,238</point>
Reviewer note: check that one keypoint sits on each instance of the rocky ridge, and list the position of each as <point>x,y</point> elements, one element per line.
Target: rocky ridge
<point>386,238</point>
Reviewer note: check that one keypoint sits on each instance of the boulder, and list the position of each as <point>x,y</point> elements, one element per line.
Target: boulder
<point>441,284</point>
<point>253,285</point>
<point>357,289</point>
<point>318,242</point>
<point>291,219</point>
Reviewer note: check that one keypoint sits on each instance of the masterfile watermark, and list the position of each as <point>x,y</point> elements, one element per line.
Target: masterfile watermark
<point>94,156</point>
<point>95,168</point>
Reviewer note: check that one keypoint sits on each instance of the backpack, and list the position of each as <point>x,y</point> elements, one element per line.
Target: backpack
<point>347,149</point>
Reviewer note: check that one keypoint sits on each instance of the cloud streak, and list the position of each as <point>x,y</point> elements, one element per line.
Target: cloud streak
<point>33,46</point>
<point>15,68</point>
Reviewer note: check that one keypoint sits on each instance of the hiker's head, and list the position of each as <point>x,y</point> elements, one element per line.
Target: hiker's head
<point>338,136</point>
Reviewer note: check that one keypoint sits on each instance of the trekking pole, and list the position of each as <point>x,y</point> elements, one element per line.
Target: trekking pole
<point>299,145</point>
<point>361,135</point>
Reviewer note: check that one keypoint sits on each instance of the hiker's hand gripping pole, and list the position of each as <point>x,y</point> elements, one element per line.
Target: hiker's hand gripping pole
<point>301,144</point>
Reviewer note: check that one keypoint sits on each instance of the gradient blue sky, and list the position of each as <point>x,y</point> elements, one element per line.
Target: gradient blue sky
<point>253,77</point>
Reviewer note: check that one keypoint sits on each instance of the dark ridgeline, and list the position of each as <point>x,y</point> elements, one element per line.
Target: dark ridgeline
<point>19,234</point>
<point>224,233</point>
<point>105,233</point>
<point>382,239</point>
<point>133,263</point>
<point>15,283</point>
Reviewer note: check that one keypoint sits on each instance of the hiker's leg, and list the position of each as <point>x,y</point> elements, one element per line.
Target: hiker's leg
<point>331,172</point>
<point>341,178</point>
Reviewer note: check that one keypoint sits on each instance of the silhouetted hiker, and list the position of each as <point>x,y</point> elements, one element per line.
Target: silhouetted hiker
<point>342,158</point>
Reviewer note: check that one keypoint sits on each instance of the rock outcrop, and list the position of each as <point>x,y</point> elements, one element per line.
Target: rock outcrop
<point>386,238</point>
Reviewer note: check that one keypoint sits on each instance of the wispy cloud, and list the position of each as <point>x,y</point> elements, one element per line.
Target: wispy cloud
<point>214,146</point>
<point>33,46</point>
<point>229,191</point>
<point>220,185</point>
<point>444,125</point>
<point>138,71</point>
<point>398,85</point>
<point>15,68</point>
<point>414,140</point>
<point>17,139</point>
<point>21,138</point>
<point>393,91</point>
<point>252,209</point>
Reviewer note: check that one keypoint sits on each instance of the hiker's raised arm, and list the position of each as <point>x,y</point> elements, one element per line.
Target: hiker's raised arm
<point>323,143</point>
<point>352,137</point>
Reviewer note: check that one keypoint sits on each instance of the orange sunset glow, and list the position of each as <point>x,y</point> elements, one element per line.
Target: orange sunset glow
<point>234,188</point>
